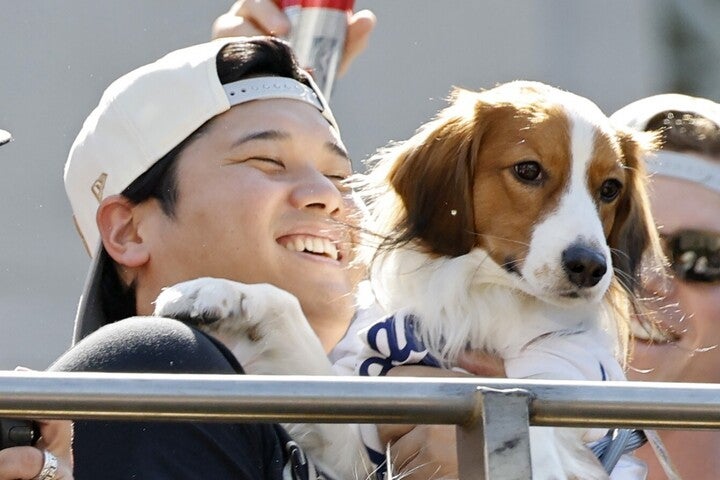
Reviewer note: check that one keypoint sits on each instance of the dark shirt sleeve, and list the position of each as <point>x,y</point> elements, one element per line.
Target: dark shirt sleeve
<point>122,450</point>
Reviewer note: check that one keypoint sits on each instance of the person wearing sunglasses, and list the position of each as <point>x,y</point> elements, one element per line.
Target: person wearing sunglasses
<point>685,200</point>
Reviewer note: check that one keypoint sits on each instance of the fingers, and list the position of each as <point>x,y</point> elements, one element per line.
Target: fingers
<point>391,433</point>
<point>251,17</point>
<point>482,364</point>
<point>20,463</point>
<point>360,26</point>
<point>422,371</point>
<point>263,17</point>
<point>403,452</point>
<point>426,452</point>
<point>25,463</point>
<point>56,436</point>
<point>230,26</point>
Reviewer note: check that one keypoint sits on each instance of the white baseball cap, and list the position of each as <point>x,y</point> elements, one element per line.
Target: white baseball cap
<point>141,117</point>
<point>637,114</point>
<point>684,166</point>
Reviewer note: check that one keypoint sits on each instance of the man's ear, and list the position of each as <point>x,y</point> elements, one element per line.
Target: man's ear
<point>116,219</point>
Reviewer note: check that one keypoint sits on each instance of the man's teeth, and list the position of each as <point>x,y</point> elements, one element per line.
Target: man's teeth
<point>322,246</point>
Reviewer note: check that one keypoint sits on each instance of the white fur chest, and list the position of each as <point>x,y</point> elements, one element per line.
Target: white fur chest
<point>469,301</point>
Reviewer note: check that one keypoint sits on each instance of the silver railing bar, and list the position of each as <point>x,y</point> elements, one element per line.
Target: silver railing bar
<point>247,398</point>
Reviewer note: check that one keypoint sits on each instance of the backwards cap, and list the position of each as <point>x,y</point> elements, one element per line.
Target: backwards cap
<point>690,167</point>
<point>147,112</point>
<point>141,117</point>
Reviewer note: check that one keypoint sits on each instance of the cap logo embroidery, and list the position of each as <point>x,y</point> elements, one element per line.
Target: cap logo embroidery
<point>82,237</point>
<point>98,186</point>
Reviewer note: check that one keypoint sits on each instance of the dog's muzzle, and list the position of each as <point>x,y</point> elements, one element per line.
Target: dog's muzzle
<point>584,266</point>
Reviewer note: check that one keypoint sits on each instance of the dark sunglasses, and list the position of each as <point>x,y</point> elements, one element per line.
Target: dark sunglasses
<point>694,255</point>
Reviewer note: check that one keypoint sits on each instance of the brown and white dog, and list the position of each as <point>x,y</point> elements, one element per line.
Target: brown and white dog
<point>516,222</point>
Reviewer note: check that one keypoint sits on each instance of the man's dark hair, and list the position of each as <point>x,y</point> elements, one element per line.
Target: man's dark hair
<point>686,132</point>
<point>257,56</point>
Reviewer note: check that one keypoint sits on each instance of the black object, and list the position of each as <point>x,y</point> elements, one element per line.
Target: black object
<point>170,450</point>
<point>694,254</point>
<point>15,432</point>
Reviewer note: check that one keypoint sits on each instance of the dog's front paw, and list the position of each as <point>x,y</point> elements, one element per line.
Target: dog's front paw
<point>263,325</point>
<point>200,302</point>
<point>227,307</point>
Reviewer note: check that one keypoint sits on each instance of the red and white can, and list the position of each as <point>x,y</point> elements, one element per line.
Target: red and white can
<point>318,35</point>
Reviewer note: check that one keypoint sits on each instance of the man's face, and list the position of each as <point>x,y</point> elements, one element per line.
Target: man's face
<point>259,201</point>
<point>680,205</point>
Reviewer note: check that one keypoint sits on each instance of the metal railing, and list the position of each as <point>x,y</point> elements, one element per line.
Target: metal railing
<point>487,412</point>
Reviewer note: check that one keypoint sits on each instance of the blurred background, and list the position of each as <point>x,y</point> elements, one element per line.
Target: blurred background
<point>56,58</point>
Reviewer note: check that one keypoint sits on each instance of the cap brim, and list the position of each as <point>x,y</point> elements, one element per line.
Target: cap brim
<point>90,315</point>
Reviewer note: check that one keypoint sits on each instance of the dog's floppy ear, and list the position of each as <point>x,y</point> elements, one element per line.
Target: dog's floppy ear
<point>432,173</point>
<point>633,238</point>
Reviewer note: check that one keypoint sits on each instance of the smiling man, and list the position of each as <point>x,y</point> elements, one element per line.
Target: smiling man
<point>218,160</point>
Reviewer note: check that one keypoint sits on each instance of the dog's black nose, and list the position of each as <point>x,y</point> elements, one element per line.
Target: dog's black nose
<point>584,266</point>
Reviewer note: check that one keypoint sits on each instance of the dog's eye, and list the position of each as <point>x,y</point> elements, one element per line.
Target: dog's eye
<point>529,171</point>
<point>609,190</point>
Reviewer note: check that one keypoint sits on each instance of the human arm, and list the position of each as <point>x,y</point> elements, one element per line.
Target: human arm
<point>429,451</point>
<point>27,462</point>
<point>118,450</point>
<point>264,17</point>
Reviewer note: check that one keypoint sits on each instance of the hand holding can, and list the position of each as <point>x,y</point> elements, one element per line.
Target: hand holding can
<point>317,35</point>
